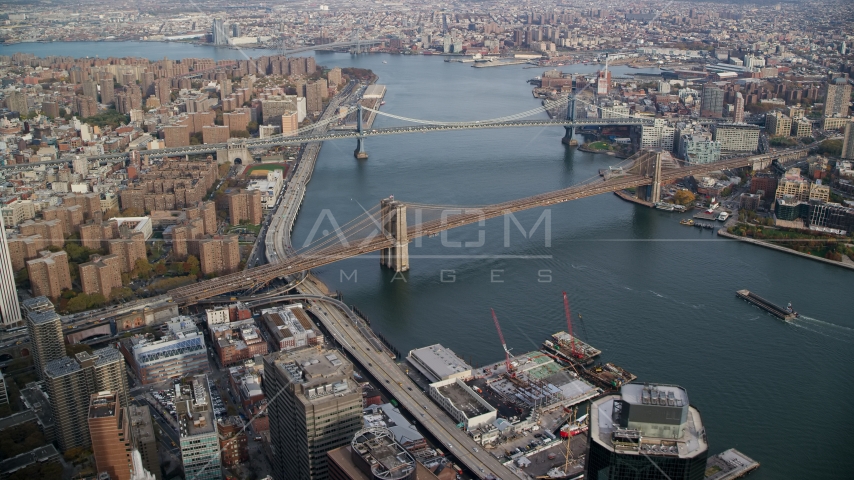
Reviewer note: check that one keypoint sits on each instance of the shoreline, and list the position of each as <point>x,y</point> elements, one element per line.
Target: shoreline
<point>723,233</point>
<point>610,153</point>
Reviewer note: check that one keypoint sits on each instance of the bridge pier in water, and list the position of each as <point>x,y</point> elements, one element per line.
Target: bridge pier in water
<point>649,165</point>
<point>570,115</point>
<point>393,218</point>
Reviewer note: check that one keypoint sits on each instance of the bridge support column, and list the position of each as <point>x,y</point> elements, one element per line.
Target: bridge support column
<point>651,167</point>
<point>570,115</point>
<point>360,152</point>
<point>393,218</point>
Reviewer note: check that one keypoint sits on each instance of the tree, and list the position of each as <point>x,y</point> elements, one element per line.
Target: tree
<point>684,197</point>
<point>77,304</point>
<point>22,278</point>
<point>142,268</point>
<point>240,134</point>
<point>192,265</point>
<point>196,138</point>
<point>160,268</point>
<point>252,127</point>
<point>832,148</point>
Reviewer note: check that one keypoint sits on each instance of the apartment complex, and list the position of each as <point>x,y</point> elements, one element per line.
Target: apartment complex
<point>197,428</point>
<point>320,409</point>
<point>219,255</point>
<point>101,274</point>
<point>170,185</point>
<point>49,274</point>
<point>245,205</point>
<point>778,125</point>
<point>70,382</point>
<point>838,98</point>
<point>737,137</point>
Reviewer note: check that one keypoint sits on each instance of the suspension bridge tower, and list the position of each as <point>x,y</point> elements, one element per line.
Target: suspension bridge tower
<point>393,218</point>
<point>360,152</point>
<point>570,130</point>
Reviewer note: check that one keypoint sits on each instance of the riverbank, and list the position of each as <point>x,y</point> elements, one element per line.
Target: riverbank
<point>723,233</point>
<point>585,147</point>
<point>630,198</point>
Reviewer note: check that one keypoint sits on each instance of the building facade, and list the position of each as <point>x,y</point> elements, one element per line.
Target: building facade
<point>49,274</point>
<point>10,309</point>
<point>109,430</point>
<point>200,453</point>
<point>737,138</point>
<point>45,331</point>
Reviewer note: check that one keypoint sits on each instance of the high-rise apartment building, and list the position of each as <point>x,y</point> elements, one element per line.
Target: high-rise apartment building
<point>848,142</point>
<point>646,431</point>
<point>101,274</point>
<point>215,134</point>
<point>90,89</point>
<point>218,32</point>
<point>44,327</point>
<point>108,91</point>
<point>290,124</point>
<point>219,255</point>
<point>838,98</point>
<point>176,136</point>
<point>314,97</point>
<point>49,275</point>
<point>245,205</point>
<point>85,106</point>
<point>738,114</point>
<point>658,135</point>
<point>319,408</point>
<point>10,310</point>
<point>712,102</point>
<point>109,432</point>
<point>334,77</point>
<point>163,90</point>
<point>71,381</point>
<point>197,429</point>
<point>777,124</point>
<point>737,137</point>
<point>144,441</point>
<point>17,102</point>
<point>129,250</point>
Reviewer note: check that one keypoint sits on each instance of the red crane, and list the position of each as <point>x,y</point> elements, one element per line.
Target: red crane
<point>503,343</point>
<point>569,325</point>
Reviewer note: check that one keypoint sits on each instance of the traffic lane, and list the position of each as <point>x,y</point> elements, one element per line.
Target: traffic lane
<point>447,426</point>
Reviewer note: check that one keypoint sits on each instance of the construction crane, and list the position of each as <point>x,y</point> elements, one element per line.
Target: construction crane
<point>503,343</point>
<point>569,327</point>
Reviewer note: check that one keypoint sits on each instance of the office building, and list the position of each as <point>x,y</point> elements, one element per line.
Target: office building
<point>71,381</point>
<point>778,125</point>
<point>144,441</point>
<point>737,137</point>
<point>848,142</point>
<point>764,184</point>
<point>648,432</point>
<point>290,328</point>
<point>237,342</point>
<point>109,431</point>
<point>45,330</point>
<point>219,255</point>
<point>199,439</point>
<point>319,408</point>
<point>738,113</point>
<point>178,353</point>
<point>712,102</point>
<point>49,275</point>
<point>10,310</point>
<point>838,98</point>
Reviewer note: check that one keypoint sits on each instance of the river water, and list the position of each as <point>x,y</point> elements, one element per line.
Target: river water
<point>657,298</point>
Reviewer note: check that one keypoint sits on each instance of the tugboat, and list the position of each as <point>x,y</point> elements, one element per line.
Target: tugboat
<point>687,221</point>
<point>791,310</point>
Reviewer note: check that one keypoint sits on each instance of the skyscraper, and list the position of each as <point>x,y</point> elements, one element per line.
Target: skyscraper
<point>838,97</point>
<point>144,441</point>
<point>646,431</point>
<point>71,381</point>
<point>318,408</point>
<point>10,310</point>
<point>109,430</point>
<point>218,35</point>
<point>199,439</point>
<point>848,142</point>
<point>738,115</point>
<point>712,104</point>
<point>45,330</point>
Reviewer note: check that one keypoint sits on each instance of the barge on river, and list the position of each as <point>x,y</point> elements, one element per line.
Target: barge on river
<point>786,314</point>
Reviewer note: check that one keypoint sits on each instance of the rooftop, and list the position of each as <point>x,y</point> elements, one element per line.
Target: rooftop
<point>194,407</point>
<point>463,400</point>
<point>39,318</point>
<point>102,404</point>
<point>386,457</point>
<point>441,361</point>
<point>320,373</point>
<point>141,422</point>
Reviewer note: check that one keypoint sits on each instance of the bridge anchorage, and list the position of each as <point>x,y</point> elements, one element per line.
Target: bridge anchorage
<point>360,152</point>
<point>393,220</point>
<point>570,115</point>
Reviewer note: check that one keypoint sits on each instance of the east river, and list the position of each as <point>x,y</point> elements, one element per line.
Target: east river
<point>657,298</point>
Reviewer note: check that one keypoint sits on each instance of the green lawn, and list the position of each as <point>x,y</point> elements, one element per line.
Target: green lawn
<point>264,167</point>
<point>245,228</point>
<point>599,146</point>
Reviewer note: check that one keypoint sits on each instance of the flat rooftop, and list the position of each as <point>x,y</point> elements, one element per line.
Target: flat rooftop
<point>141,422</point>
<point>441,361</point>
<point>194,408</point>
<point>102,405</point>
<point>462,400</point>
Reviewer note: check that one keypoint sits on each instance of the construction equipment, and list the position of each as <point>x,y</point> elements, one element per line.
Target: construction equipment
<point>503,343</point>
<point>573,352</point>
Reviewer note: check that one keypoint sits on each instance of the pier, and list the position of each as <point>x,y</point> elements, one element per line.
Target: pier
<point>729,465</point>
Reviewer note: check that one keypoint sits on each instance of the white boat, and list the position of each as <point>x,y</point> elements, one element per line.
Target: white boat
<point>723,216</point>
<point>385,61</point>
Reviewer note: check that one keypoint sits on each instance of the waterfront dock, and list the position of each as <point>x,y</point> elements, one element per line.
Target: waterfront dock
<point>729,465</point>
<point>777,311</point>
<point>499,63</point>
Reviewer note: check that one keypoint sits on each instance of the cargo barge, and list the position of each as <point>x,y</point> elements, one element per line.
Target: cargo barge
<point>608,376</point>
<point>785,314</point>
<point>571,349</point>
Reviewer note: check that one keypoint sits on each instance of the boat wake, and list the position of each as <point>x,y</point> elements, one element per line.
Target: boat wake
<point>842,338</point>
<point>657,294</point>
<point>838,329</point>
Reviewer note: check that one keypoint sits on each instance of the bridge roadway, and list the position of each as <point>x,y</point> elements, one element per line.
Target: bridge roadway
<point>245,280</point>
<point>212,148</point>
<point>327,46</point>
<point>353,335</point>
